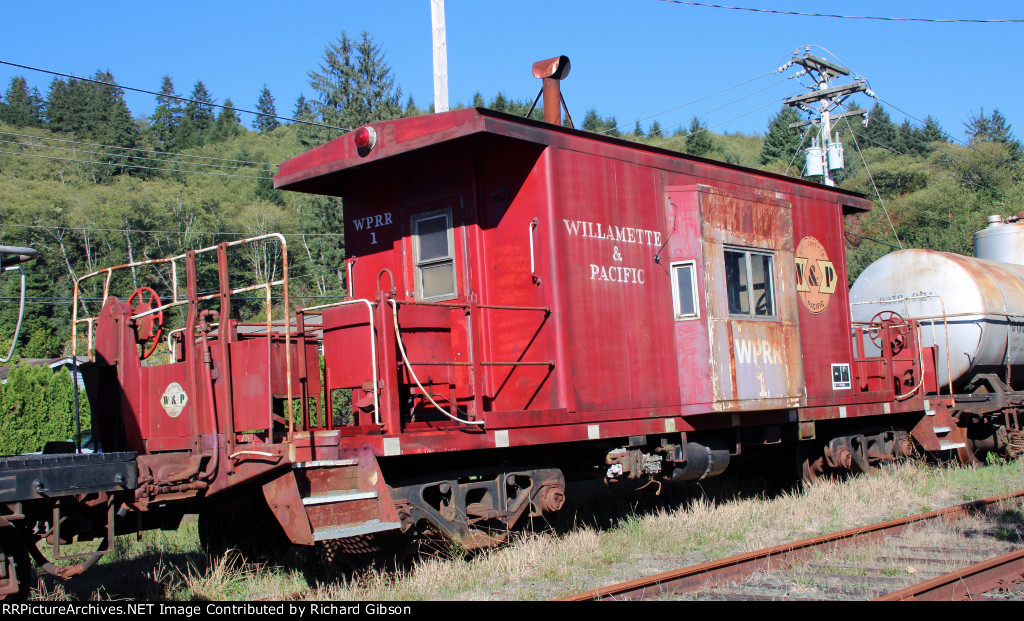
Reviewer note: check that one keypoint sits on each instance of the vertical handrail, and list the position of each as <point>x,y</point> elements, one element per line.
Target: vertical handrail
<point>533,263</point>
<point>373,352</point>
<point>21,314</point>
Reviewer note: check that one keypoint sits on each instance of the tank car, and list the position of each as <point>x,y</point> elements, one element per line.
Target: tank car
<point>971,311</point>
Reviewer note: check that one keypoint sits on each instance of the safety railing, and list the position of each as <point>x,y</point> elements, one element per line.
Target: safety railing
<point>473,362</point>
<point>318,310</point>
<point>224,292</point>
<point>373,334</point>
<point>929,319</point>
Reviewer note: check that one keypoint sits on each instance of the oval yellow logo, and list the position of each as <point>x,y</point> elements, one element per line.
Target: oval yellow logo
<point>815,275</point>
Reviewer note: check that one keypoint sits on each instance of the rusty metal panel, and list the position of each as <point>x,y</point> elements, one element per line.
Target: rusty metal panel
<point>756,361</point>
<point>284,500</point>
<point>347,352</point>
<point>168,405</point>
<point>250,385</point>
<point>692,339</point>
<point>512,214</point>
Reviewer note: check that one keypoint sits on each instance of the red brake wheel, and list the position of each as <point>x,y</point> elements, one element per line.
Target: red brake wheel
<point>144,326</point>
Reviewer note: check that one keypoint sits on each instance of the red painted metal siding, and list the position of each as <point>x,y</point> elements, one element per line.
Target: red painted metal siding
<point>830,330</point>
<point>607,224</point>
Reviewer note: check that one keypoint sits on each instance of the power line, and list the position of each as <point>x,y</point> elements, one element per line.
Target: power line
<point>709,128</point>
<point>877,193</point>
<point>129,156</point>
<point>927,165</point>
<point>863,17</point>
<point>149,231</point>
<point>728,88</point>
<point>109,146</point>
<point>726,105</point>
<point>123,165</point>
<point>185,99</point>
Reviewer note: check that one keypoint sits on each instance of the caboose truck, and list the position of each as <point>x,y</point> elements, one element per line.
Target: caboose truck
<point>526,303</point>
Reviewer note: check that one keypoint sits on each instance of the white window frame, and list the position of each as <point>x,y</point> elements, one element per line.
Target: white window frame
<point>747,253</point>
<point>677,311</point>
<point>418,265</point>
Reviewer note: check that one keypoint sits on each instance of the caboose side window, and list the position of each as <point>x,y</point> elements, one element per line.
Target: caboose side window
<point>684,290</point>
<point>433,255</point>
<point>750,283</point>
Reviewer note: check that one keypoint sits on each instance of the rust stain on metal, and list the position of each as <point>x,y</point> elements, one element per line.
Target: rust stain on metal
<point>760,356</point>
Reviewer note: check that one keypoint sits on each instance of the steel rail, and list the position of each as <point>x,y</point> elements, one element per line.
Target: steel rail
<point>696,577</point>
<point>967,582</point>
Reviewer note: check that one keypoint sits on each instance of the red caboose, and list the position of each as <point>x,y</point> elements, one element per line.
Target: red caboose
<point>525,301</point>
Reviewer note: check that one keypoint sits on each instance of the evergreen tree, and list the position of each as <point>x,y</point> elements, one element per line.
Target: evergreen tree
<point>932,132</point>
<point>638,132</point>
<point>109,122</point>
<point>996,129</point>
<point>411,109</point>
<point>65,106</point>
<point>167,117</point>
<point>303,109</point>
<point>353,87</point>
<point>591,122</point>
<point>228,125</point>
<point>782,141</point>
<point>655,132</point>
<point>611,128</point>
<point>21,107</point>
<point>881,131</point>
<point>94,111</point>
<point>197,118</point>
<point>478,100</point>
<point>267,121</point>
<point>698,141</point>
<point>500,103</point>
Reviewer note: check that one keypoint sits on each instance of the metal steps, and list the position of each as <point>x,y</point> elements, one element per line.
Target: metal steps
<point>342,498</point>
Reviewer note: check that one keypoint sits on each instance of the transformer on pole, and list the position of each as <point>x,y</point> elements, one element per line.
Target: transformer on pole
<point>825,154</point>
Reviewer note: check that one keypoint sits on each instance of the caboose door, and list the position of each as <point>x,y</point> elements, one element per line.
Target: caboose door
<point>753,325</point>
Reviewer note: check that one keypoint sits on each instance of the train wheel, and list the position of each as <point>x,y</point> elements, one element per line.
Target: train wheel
<point>811,463</point>
<point>970,455</point>
<point>14,565</point>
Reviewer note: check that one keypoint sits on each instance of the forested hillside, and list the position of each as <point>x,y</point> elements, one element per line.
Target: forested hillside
<point>90,186</point>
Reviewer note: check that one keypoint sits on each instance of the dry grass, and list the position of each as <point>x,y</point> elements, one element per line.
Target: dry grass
<point>600,550</point>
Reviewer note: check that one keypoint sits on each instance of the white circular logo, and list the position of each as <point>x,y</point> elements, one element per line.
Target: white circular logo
<point>174,399</point>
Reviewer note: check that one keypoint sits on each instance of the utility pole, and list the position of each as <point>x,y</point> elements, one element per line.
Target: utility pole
<point>826,156</point>
<point>440,56</point>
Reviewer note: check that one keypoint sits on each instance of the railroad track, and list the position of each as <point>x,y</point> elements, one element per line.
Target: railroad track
<point>917,557</point>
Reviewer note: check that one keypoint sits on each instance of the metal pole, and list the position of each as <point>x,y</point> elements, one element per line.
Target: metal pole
<point>440,56</point>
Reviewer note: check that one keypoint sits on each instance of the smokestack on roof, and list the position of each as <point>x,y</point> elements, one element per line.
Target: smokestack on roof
<point>552,71</point>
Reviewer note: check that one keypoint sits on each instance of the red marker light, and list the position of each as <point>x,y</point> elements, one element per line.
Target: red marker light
<point>366,138</point>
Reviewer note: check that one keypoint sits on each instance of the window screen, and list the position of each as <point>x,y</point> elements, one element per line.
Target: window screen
<point>684,290</point>
<point>433,255</point>
<point>750,283</point>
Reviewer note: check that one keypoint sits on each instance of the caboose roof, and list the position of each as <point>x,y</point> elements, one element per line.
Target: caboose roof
<point>319,170</point>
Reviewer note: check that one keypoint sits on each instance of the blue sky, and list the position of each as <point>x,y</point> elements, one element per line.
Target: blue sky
<point>630,58</point>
